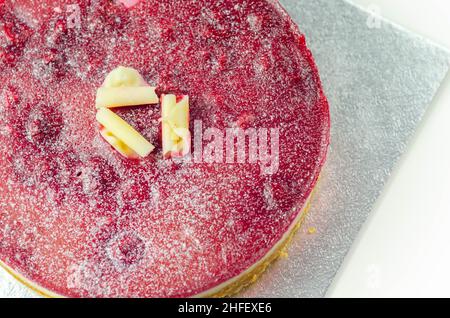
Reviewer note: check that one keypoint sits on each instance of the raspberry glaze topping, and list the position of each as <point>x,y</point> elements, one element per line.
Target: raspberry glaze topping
<point>79,219</point>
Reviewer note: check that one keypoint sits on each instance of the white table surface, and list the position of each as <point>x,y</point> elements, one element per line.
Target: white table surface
<point>404,248</point>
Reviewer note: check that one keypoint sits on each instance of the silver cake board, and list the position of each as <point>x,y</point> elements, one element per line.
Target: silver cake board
<point>379,80</point>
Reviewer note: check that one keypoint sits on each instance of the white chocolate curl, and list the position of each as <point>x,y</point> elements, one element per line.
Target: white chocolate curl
<point>118,144</point>
<point>176,137</point>
<point>124,132</point>
<point>124,77</point>
<point>113,97</point>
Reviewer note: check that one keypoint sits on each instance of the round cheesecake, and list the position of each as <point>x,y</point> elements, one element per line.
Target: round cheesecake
<point>77,219</point>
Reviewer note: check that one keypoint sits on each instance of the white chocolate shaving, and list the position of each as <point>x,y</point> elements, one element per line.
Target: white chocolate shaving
<point>118,144</point>
<point>113,97</point>
<point>124,132</point>
<point>176,137</point>
<point>124,77</point>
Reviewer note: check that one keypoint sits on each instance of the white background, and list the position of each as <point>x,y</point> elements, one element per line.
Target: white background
<point>404,248</point>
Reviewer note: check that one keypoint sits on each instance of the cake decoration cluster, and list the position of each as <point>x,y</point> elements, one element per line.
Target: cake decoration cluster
<point>125,87</point>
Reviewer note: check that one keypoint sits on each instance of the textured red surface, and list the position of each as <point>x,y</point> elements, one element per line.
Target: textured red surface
<point>80,220</point>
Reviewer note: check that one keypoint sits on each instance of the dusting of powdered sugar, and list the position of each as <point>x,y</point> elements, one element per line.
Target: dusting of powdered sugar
<point>80,220</point>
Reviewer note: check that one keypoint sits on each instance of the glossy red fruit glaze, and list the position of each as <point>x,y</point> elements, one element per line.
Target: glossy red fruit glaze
<point>80,220</point>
